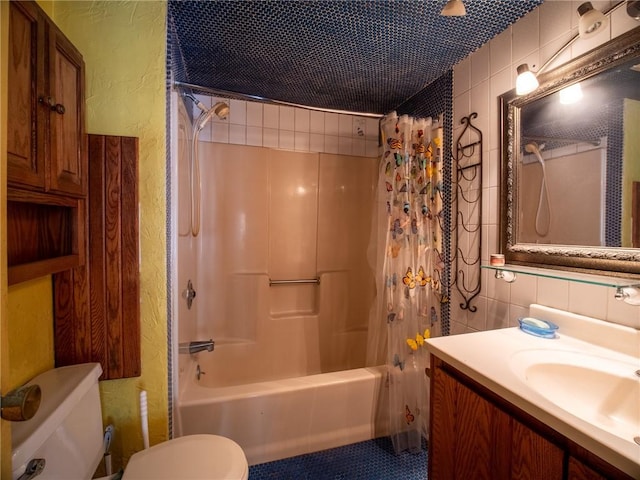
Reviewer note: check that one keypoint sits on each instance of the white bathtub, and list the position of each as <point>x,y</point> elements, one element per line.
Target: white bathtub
<point>282,418</point>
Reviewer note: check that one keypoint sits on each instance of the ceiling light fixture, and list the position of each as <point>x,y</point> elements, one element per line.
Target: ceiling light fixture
<point>454,8</point>
<point>591,20</point>
<point>526,82</point>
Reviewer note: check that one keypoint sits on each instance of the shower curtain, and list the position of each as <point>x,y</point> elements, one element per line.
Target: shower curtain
<point>405,252</point>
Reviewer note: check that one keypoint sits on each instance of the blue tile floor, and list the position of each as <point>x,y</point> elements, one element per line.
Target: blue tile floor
<point>370,460</point>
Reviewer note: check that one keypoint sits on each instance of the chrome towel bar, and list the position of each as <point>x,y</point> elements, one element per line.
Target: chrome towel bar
<point>294,282</point>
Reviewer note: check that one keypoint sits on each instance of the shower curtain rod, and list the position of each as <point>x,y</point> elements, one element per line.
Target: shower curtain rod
<point>268,100</point>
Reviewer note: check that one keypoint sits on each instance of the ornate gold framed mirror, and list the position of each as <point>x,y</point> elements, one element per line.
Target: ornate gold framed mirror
<point>570,191</point>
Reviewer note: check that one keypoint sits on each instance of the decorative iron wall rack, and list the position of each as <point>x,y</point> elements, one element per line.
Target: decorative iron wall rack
<point>467,228</point>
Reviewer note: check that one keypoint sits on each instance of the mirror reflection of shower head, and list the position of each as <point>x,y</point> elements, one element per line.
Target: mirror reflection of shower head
<point>542,222</point>
<point>533,147</point>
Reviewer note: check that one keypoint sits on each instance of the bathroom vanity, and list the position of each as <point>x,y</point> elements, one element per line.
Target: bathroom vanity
<point>508,405</point>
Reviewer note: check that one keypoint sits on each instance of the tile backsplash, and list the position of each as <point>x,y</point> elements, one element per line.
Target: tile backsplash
<point>291,128</point>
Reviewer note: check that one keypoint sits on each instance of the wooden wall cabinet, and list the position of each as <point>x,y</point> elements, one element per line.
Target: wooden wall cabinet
<point>476,434</point>
<point>45,127</point>
<point>87,237</point>
<point>46,153</point>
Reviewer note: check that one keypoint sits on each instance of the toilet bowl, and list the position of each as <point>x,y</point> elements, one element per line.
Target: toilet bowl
<point>66,432</point>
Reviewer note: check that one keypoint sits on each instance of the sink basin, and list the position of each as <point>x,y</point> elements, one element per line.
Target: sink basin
<point>597,389</point>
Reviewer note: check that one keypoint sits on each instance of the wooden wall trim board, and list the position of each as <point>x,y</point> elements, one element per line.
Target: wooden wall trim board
<point>102,322</point>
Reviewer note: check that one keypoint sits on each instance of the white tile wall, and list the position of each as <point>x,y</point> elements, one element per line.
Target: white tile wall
<point>291,128</point>
<point>254,114</point>
<point>533,39</point>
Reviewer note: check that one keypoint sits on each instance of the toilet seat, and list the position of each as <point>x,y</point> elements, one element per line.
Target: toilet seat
<point>200,457</point>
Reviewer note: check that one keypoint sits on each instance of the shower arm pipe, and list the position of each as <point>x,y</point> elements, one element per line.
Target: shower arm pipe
<point>227,93</point>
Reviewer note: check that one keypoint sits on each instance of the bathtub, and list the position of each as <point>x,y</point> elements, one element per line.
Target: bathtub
<point>277,419</point>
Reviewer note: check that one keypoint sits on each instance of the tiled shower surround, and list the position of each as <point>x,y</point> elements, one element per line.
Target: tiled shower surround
<point>291,128</point>
<point>280,204</point>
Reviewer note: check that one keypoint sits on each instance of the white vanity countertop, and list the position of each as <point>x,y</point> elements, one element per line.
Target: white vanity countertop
<point>485,358</point>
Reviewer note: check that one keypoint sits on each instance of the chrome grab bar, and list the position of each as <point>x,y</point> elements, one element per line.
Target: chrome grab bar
<point>294,282</point>
<point>195,347</point>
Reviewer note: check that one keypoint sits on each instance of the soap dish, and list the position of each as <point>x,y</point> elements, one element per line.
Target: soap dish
<point>537,327</point>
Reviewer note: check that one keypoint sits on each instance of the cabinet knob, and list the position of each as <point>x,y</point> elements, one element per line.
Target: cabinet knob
<point>51,103</point>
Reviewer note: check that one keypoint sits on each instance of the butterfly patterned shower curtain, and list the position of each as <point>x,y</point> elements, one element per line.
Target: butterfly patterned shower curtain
<point>405,247</point>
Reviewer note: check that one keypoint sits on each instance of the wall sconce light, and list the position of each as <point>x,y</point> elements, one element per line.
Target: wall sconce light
<point>591,20</point>
<point>633,9</point>
<point>454,8</point>
<point>526,82</point>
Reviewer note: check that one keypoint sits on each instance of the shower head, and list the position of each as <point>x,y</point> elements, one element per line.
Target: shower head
<point>220,109</point>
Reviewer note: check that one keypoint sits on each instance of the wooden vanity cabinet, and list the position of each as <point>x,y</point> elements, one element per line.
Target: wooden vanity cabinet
<point>476,434</point>
<point>472,438</point>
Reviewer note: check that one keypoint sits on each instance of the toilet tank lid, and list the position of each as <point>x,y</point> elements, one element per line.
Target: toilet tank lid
<point>195,457</point>
<point>61,388</point>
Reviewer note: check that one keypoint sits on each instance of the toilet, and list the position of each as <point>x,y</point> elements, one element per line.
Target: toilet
<point>67,433</point>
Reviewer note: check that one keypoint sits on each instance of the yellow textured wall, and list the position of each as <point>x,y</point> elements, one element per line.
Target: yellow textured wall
<point>5,428</point>
<point>30,328</point>
<point>123,45</point>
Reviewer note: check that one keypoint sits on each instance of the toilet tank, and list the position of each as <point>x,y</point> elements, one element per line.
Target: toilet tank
<point>66,430</point>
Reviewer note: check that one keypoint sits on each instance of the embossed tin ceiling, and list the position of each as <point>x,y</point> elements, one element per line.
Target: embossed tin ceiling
<point>360,55</point>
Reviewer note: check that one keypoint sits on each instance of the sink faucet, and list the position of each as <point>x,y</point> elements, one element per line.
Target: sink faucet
<point>197,346</point>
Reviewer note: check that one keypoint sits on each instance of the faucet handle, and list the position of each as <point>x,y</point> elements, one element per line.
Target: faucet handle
<point>189,294</point>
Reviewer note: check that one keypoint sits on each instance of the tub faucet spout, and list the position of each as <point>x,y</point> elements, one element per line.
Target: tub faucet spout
<point>197,346</point>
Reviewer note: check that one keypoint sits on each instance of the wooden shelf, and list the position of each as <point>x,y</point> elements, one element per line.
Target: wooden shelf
<point>28,271</point>
<point>45,234</point>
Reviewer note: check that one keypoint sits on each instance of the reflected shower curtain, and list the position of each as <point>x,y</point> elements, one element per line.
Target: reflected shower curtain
<point>405,252</point>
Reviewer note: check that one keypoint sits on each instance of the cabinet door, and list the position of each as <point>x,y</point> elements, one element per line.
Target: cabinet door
<point>473,438</point>
<point>532,456</point>
<point>579,471</point>
<point>470,437</point>
<point>26,119</point>
<point>66,116</point>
